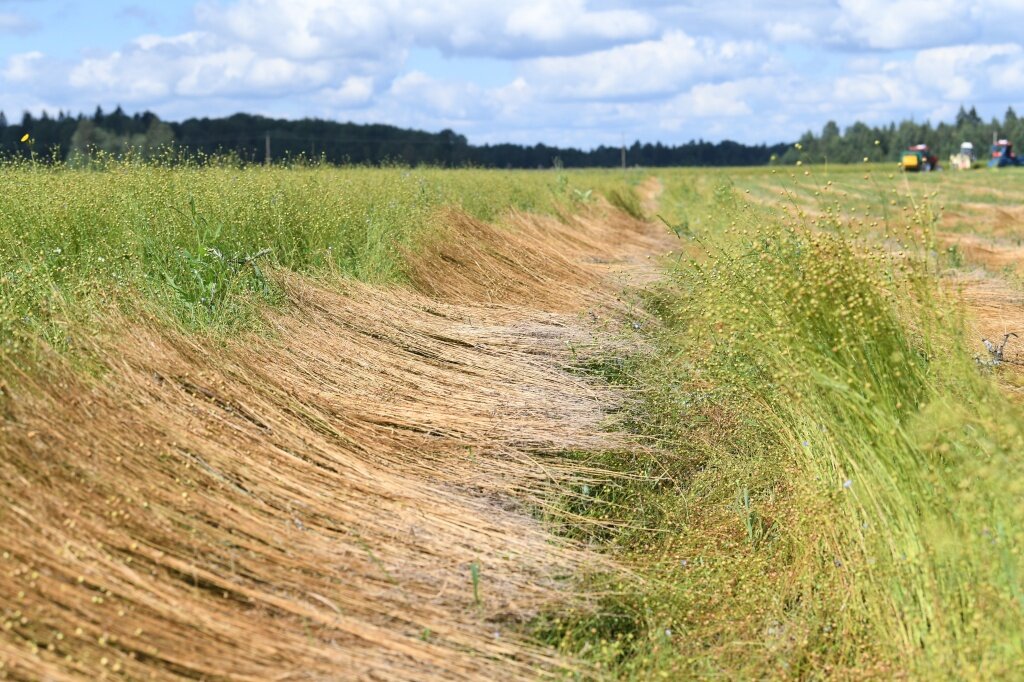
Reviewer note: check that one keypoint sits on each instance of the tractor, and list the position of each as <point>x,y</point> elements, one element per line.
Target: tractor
<point>918,158</point>
<point>1002,155</point>
<point>965,159</point>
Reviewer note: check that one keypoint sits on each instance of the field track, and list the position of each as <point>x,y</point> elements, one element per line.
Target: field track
<point>355,496</point>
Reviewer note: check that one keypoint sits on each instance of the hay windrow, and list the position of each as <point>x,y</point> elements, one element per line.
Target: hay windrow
<point>315,504</point>
<point>537,261</point>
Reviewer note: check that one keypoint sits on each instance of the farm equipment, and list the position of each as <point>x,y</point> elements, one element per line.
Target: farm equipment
<point>918,158</point>
<point>965,159</point>
<point>1002,155</point>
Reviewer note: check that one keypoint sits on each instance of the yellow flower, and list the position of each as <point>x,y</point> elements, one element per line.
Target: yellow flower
<point>24,138</point>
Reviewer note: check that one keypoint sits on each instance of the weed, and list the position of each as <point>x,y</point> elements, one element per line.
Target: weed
<point>626,200</point>
<point>474,574</point>
<point>954,257</point>
<point>757,529</point>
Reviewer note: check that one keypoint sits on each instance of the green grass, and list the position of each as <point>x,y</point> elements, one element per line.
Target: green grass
<point>838,487</point>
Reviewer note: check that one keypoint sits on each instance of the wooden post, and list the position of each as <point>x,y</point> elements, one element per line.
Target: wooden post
<point>266,154</point>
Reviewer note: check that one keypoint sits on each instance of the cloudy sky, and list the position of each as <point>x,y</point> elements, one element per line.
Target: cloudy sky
<point>580,72</point>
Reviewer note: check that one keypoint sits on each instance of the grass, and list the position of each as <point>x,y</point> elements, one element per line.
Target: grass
<point>836,488</point>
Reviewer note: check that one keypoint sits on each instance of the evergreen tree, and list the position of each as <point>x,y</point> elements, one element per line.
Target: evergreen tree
<point>243,136</point>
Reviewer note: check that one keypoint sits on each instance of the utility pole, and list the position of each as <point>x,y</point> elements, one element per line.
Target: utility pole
<point>266,154</point>
<point>623,151</point>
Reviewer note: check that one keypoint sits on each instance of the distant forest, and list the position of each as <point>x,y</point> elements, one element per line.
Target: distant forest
<point>77,138</point>
<point>859,140</point>
<point>243,135</point>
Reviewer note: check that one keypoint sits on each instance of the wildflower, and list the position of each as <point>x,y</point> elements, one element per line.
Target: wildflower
<point>24,138</point>
<point>848,483</point>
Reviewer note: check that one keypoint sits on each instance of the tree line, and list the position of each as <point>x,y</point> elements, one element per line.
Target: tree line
<point>884,143</point>
<point>77,138</point>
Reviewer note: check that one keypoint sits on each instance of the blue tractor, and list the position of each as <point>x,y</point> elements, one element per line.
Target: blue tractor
<point>1002,155</point>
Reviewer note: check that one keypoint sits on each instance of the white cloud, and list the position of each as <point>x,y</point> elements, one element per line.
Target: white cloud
<point>723,99</point>
<point>553,22</point>
<point>872,89</point>
<point>957,72</point>
<point>304,29</point>
<point>129,79</point>
<point>22,66</point>
<point>14,23</point>
<point>240,70</point>
<point>903,23</point>
<point>199,65</point>
<point>1009,77</point>
<point>339,50</point>
<point>354,91</point>
<point>447,100</point>
<point>151,42</point>
<point>933,81</point>
<point>791,32</point>
<point>651,67</point>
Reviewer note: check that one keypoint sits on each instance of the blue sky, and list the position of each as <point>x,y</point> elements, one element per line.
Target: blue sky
<point>579,72</point>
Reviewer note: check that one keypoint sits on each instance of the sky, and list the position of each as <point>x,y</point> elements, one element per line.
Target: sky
<point>565,72</point>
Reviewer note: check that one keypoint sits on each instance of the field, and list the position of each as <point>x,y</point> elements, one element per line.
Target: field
<point>316,423</point>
